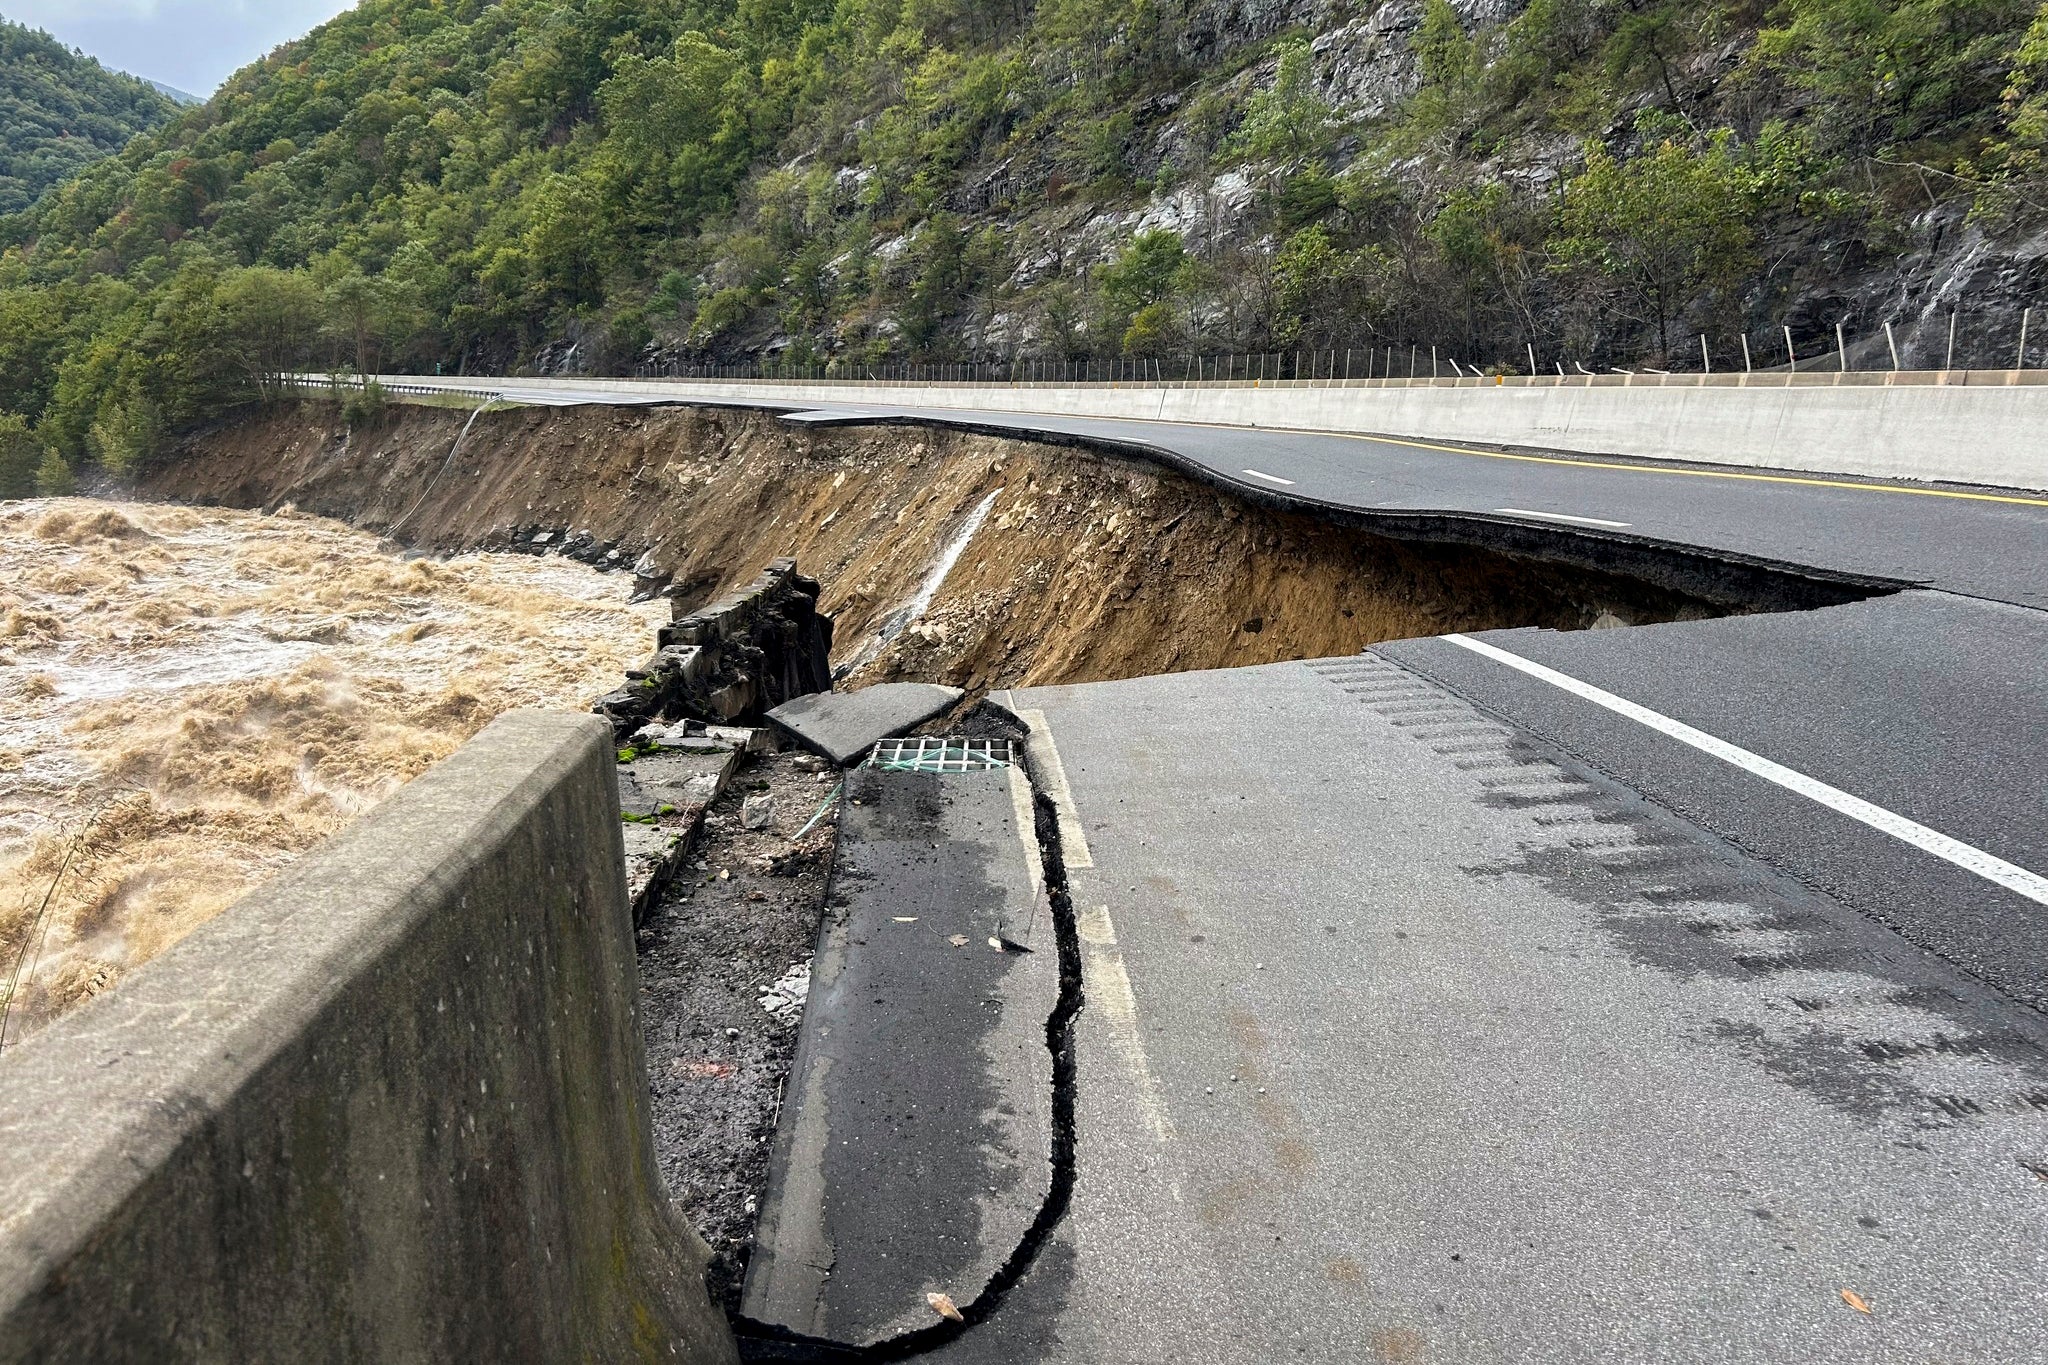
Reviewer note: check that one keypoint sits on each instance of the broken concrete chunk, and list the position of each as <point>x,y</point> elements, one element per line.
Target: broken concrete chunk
<point>747,739</point>
<point>845,725</point>
<point>758,812</point>
<point>749,650</point>
<point>903,1020</point>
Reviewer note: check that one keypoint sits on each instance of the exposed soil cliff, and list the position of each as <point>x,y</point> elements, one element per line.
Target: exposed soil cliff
<point>1081,567</point>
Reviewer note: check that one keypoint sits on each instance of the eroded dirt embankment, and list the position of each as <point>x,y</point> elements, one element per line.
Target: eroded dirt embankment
<point>1086,567</point>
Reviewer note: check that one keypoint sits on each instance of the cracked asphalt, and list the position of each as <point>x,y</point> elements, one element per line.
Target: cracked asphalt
<point>1436,1009</point>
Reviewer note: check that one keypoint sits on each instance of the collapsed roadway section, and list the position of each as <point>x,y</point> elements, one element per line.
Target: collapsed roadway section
<point>1662,993</point>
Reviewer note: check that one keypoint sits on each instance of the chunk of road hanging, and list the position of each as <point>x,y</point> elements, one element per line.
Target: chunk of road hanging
<point>915,1147</point>
<point>845,725</point>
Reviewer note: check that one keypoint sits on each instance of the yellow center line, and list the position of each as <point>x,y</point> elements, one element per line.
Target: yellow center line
<point>1615,464</point>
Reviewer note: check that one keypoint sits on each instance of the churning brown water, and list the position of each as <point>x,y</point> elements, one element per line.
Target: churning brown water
<point>193,696</point>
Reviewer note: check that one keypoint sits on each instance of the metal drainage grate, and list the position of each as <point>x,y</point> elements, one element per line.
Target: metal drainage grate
<point>928,754</point>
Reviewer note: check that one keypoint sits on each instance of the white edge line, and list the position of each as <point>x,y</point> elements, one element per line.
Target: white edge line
<point>1074,851</point>
<point>1966,856</point>
<point>1275,478</point>
<point>1560,516</point>
<point>1108,984</point>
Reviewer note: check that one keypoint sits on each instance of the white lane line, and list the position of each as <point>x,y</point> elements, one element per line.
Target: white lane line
<point>1560,516</point>
<point>1045,755</point>
<point>1990,867</point>
<point>1108,988</point>
<point>1272,478</point>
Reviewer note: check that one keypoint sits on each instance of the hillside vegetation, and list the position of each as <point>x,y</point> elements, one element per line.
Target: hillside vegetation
<point>61,111</point>
<point>608,184</point>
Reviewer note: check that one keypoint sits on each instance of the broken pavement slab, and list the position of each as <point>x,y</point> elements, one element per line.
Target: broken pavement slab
<point>915,1146</point>
<point>843,726</point>
<point>662,798</point>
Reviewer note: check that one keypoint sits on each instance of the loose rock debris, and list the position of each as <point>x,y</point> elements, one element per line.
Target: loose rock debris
<point>785,999</point>
<point>724,972</point>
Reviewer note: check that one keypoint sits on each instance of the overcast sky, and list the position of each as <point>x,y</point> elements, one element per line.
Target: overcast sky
<point>191,44</point>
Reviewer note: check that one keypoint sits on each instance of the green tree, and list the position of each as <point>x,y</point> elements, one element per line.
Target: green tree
<point>2014,153</point>
<point>1485,239</point>
<point>54,478</point>
<point>32,335</point>
<point>1450,65</point>
<point>1889,71</point>
<point>672,123</point>
<point>1327,295</point>
<point>126,434</point>
<point>60,111</point>
<point>1662,227</point>
<point>1288,122</point>
<point>1137,288</point>
<point>359,309</point>
<point>21,455</point>
<point>273,319</point>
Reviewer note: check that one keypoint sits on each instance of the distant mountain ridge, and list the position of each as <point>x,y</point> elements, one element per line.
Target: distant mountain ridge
<point>617,186</point>
<point>60,111</point>
<point>172,93</point>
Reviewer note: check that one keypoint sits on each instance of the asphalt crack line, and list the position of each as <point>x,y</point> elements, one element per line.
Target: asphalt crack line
<point>1051,777</point>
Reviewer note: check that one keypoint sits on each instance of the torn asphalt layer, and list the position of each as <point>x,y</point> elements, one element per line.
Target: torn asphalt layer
<point>916,1149</point>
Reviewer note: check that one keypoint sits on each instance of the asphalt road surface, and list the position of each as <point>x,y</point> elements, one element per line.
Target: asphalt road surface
<point>1990,543</point>
<point>1668,993</point>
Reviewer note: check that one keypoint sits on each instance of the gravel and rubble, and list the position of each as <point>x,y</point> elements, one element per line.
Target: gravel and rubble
<point>724,964</point>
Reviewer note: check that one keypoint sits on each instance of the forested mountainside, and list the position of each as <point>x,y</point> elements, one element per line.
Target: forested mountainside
<point>612,184</point>
<point>61,111</point>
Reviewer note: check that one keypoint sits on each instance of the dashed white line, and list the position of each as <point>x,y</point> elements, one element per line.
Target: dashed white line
<point>1271,478</point>
<point>1966,856</point>
<point>1560,516</point>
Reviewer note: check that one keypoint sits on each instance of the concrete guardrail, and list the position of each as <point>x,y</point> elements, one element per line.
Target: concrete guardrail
<point>390,1106</point>
<point>1977,427</point>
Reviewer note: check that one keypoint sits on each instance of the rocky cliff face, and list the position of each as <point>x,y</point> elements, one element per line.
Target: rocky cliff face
<point>1422,200</point>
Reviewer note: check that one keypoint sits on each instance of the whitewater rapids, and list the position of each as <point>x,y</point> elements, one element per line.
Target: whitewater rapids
<point>193,696</point>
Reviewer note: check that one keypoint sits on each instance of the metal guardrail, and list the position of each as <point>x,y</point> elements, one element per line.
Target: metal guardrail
<point>320,383</point>
<point>1651,379</point>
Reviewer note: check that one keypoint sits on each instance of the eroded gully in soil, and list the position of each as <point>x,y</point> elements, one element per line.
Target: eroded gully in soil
<point>946,557</point>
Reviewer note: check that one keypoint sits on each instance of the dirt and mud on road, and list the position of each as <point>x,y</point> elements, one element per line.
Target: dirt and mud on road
<point>724,967</point>
<point>1067,566</point>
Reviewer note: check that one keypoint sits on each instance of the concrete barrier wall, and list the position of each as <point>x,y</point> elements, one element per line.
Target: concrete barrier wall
<point>391,1106</point>
<point>1979,432</point>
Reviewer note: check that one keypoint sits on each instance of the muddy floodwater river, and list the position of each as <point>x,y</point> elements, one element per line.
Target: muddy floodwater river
<point>193,696</point>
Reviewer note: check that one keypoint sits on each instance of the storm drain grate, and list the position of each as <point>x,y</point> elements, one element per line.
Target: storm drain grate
<point>928,754</point>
